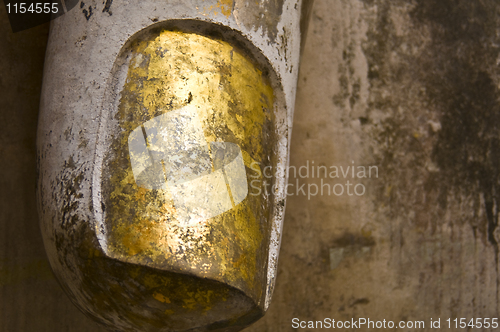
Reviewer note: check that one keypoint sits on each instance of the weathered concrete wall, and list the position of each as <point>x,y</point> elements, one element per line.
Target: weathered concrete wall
<point>410,87</point>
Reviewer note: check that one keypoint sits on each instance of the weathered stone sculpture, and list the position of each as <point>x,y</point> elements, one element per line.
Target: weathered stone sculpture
<point>157,121</point>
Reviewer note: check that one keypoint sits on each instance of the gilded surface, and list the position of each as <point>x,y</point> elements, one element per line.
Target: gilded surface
<point>233,103</point>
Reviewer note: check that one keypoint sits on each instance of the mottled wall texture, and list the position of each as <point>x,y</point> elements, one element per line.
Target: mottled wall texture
<point>411,87</point>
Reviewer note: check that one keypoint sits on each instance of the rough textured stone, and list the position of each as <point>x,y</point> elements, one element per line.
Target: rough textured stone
<point>107,239</point>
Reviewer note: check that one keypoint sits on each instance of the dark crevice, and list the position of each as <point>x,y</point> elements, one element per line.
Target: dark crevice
<point>107,7</point>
